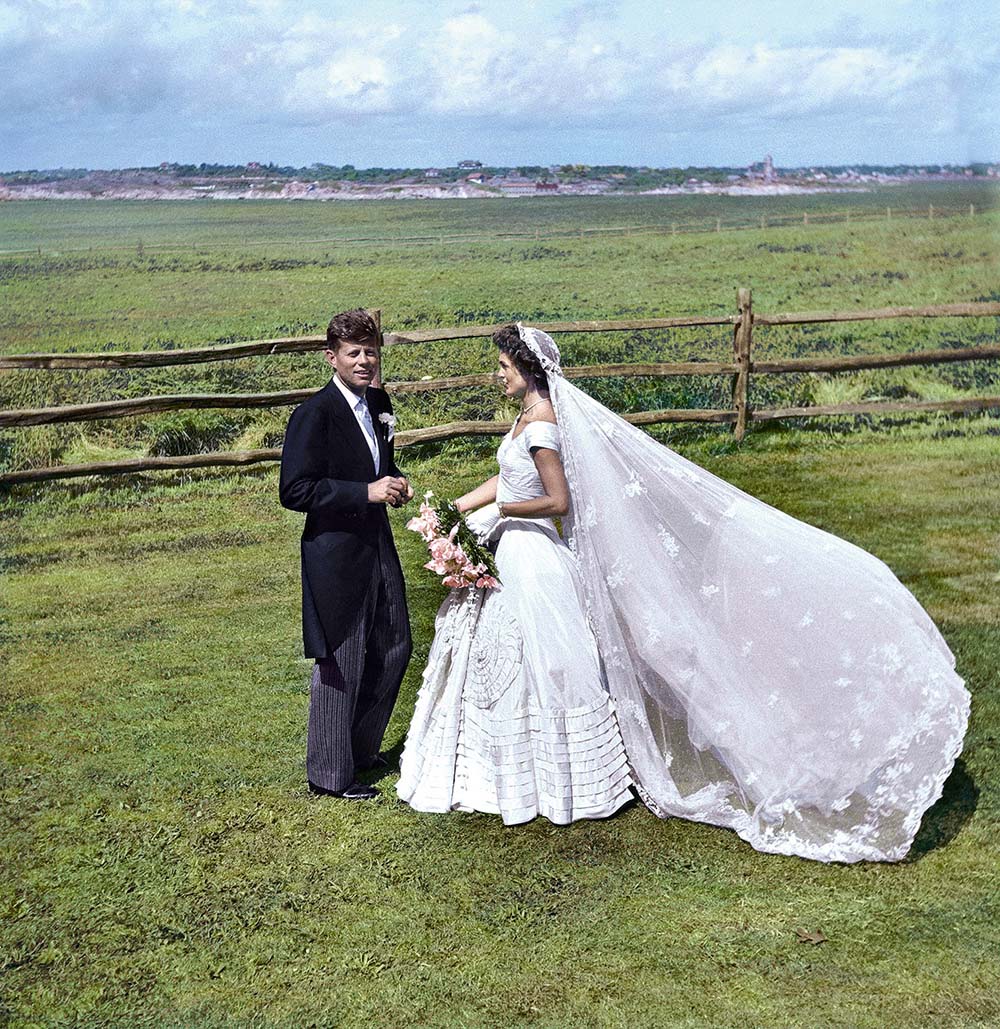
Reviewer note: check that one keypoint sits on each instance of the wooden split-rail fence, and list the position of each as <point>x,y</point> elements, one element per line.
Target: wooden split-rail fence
<point>739,369</point>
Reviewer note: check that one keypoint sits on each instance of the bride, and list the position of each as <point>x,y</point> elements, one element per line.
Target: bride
<point>731,664</point>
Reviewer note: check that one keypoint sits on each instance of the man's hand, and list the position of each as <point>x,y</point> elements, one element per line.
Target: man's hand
<point>408,492</point>
<point>389,490</point>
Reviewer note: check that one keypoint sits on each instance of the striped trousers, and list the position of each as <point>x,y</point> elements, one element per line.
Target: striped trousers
<point>352,694</point>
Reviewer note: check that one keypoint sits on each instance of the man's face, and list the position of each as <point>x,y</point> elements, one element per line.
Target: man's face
<point>355,363</point>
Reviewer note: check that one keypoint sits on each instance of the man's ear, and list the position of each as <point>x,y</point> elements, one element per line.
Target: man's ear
<point>331,357</point>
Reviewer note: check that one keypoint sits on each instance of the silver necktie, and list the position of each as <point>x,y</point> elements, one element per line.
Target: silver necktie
<point>369,429</point>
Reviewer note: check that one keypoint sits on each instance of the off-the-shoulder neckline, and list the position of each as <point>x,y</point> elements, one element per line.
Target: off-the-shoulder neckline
<point>534,421</point>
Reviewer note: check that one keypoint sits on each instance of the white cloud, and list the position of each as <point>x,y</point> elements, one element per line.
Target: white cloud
<point>479,69</point>
<point>436,70</point>
<point>794,80</point>
<point>347,84</point>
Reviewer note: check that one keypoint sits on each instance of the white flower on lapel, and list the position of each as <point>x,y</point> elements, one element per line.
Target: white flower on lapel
<point>389,421</point>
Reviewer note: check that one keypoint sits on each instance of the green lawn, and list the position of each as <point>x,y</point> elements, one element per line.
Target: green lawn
<point>166,866</point>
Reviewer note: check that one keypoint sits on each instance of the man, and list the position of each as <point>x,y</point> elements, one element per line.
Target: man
<point>338,466</point>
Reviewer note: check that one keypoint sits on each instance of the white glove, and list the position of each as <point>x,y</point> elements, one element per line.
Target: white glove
<point>483,521</point>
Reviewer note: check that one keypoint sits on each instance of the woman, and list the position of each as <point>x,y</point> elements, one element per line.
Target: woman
<point>513,716</point>
<point>765,675</point>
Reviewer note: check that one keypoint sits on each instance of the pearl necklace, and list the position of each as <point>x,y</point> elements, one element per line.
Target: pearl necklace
<point>525,410</point>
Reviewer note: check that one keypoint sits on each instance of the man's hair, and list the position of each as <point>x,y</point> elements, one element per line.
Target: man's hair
<point>355,326</point>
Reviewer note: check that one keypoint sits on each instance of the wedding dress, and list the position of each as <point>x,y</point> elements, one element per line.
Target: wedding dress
<point>513,716</point>
<point>765,675</point>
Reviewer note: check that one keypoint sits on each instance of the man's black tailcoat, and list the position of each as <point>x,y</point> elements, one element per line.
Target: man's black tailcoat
<point>326,467</point>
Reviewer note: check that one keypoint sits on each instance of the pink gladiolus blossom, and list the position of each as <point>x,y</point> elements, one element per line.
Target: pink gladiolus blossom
<point>447,556</point>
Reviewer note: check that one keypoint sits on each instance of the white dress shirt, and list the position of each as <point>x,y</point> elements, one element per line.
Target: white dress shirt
<point>359,405</point>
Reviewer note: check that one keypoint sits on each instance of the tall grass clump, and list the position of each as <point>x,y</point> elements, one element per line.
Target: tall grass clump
<point>191,432</point>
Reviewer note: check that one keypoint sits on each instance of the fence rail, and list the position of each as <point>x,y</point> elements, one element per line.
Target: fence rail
<point>740,369</point>
<point>452,430</point>
<point>306,344</point>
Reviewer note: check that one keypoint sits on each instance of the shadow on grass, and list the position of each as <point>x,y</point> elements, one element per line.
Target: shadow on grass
<point>944,821</point>
<point>374,776</point>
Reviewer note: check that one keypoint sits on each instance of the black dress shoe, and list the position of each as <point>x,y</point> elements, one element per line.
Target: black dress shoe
<point>356,791</point>
<point>377,763</point>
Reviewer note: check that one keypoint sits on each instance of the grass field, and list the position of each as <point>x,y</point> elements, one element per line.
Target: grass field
<point>164,864</point>
<point>169,867</point>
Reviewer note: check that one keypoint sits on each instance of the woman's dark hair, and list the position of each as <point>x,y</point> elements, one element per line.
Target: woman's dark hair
<point>509,342</point>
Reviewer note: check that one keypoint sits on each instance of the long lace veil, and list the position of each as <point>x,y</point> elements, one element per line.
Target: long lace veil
<point>768,676</point>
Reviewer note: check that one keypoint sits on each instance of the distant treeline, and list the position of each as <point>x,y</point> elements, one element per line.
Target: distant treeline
<point>622,176</point>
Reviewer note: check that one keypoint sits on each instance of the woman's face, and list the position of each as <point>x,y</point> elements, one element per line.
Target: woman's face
<point>512,382</point>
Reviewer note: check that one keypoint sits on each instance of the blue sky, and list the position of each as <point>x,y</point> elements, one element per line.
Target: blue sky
<point>405,83</point>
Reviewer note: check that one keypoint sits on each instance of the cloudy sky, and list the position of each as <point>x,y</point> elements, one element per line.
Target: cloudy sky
<point>97,83</point>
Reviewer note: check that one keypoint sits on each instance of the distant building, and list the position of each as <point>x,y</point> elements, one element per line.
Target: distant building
<point>432,173</point>
<point>517,186</point>
<point>470,164</point>
<point>763,170</point>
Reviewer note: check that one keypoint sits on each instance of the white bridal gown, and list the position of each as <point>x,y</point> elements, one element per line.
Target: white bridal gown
<point>763,674</point>
<point>513,716</point>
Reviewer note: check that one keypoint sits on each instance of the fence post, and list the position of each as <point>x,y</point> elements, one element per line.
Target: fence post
<point>972,210</point>
<point>376,314</point>
<point>930,211</point>
<point>805,217</point>
<point>741,354</point>
<point>888,214</point>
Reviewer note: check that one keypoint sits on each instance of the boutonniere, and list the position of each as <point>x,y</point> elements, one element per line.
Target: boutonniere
<point>389,421</point>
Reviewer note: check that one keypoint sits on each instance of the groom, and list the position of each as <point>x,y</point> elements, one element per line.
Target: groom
<point>338,466</point>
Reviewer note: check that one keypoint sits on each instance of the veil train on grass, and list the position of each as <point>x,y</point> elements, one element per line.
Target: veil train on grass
<point>768,676</point>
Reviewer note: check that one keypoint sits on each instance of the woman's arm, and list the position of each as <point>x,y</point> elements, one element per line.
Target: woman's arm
<point>484,494</point>
<point>555,501</point>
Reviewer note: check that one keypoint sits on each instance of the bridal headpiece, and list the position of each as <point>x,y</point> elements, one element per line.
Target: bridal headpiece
<point>543,346</point>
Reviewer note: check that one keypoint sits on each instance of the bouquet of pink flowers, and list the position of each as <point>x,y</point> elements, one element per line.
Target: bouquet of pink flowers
<point>456,553</point>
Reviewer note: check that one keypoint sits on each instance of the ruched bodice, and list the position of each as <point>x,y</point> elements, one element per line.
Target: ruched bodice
<point>519,479</point>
